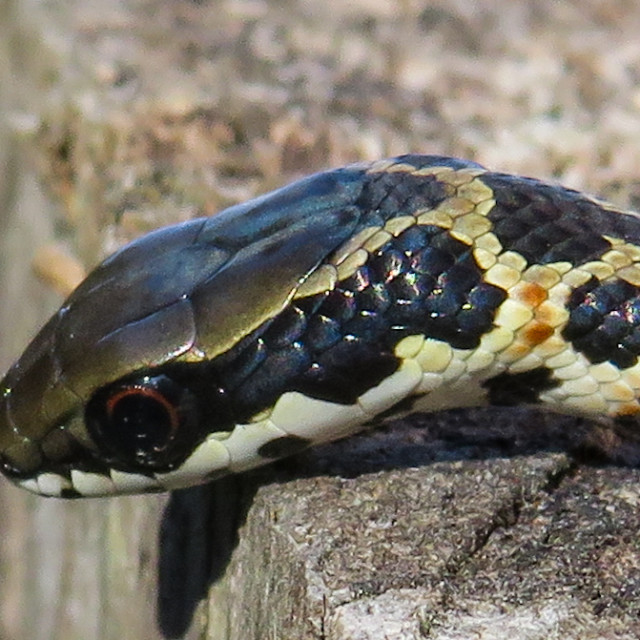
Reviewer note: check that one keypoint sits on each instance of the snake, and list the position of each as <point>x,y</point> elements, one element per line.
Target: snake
<point>411,284</point>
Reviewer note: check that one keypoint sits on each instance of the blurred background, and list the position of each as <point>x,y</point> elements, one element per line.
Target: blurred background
<point>119,117</point>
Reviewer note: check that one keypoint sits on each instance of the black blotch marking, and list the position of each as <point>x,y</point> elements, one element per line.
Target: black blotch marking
<point>285,328</point>
<point>435,289</point>
<point>547,223</point>
<point>70,494</point>
<point>323,332</point>
<point>275,375</point>
<point>604,322</point>
<point>509,389</point>
<point>283,447</point>
<point>345,371</point>
<point>247,361</point>
<point>389,194</point>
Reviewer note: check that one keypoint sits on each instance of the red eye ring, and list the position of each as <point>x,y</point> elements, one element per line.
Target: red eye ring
<point>148,423</point>
<point>146,392</point>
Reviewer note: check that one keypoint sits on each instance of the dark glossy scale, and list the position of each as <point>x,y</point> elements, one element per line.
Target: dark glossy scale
<point>548,224</point>
<point>551,224</point>
<point>605,322</point>
<point>345,345</point>
<point>511,389</point>
<point>386,195</point>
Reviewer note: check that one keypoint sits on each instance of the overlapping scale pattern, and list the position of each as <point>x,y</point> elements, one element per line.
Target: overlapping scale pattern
<point>339,344</point>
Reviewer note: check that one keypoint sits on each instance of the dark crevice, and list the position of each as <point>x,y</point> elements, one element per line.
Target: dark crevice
<point>508,516</point>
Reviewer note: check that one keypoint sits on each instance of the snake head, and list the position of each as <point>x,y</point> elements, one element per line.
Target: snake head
<point>120,391</point>
<point>131,314</point>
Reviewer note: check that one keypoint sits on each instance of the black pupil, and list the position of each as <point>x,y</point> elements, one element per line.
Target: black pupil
<point>140,423</point>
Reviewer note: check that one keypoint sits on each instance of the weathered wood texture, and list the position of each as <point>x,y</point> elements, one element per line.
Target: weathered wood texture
<point>118,117</point>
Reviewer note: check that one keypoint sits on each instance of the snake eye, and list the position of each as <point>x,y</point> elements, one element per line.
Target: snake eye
<point>148,422</point>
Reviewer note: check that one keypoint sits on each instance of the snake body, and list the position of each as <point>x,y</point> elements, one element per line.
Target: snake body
<point>411,284</point>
